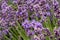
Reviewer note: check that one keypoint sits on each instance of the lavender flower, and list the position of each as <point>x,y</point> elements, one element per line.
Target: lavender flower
<point>40,9</point>
<point>1,34</point>
<point>26,24</point>
<point>56,8</point>
<point>5,31</point>
<point>32,27</point>
<point>22,12</point>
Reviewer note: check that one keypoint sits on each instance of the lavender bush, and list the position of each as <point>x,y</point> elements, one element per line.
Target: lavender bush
<point>29,20</point>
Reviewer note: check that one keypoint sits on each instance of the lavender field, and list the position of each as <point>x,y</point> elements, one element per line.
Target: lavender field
<point>29,19</point>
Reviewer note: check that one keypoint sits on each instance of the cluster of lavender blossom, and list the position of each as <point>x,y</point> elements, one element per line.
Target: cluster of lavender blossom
<point>31,14</point>
<point>36,31</point>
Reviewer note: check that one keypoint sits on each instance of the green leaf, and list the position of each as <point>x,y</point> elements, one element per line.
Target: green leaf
<point>15,31</point>
<point>6,38</point>
<point>22,32</point>
<point>55,21</point>
<point>14,35</point>
<point>47,23</point>
<point>47,38</point>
